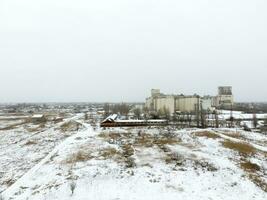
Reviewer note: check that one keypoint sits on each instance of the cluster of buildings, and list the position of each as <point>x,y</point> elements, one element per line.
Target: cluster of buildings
<point>158,102</point>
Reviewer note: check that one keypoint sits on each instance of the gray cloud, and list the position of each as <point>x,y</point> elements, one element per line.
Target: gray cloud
<point>62,50</point>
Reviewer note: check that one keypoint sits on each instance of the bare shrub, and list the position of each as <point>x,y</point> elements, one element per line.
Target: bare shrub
<point>204,165</point>
<point>130,162</point>
<point>174,158</point>
<point>72,187</point>
<point>128,150</point>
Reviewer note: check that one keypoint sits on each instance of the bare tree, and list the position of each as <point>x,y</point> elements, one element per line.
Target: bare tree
<point>146,112</point>
<point>216,119</point>
<point>164,112</point>
<point>137,112</point>
<point>167,113</point>
<point>85,116</point>
<point>106,109</point>
<point>255,121</point>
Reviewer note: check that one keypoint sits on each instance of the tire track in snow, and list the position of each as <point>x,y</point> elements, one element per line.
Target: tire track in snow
<point>10,191</point>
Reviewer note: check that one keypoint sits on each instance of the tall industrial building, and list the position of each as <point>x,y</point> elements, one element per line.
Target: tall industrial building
<point>189,103</point>
<point>225,97</point>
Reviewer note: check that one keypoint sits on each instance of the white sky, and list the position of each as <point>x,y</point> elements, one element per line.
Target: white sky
<point>62,50</point>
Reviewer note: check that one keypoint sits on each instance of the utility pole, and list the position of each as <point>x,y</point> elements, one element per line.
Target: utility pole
<point>197,111</point>
<point>255,120</point>
<point>203,116</point>
<point>216,119</point>
<point>231,117</point>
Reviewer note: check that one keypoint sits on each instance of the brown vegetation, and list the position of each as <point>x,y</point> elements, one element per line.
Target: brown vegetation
<point>242,148</point>
<point>207,134</point>
<point>109,153</point>
<point>257,180</point>
<point>80,156</point>
<point>71,126</point>
<point>249,167</point>
<point>111,135</point>
<point>30,142</point>
<point>204,165</point>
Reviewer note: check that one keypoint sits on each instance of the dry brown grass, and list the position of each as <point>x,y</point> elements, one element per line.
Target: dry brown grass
<point>204,165</point>
<point>145,140</point>
<point>257,180</point>
<point>109,153</point>
<point>111,135</point>
<point>249,167</point>
<point>70,126</point>
<point>174,158</point>
<point>123,156</point>
<point>167,141</point>
<point>30,142</point>
<point>79,156</point>
<point>242,148</point>
<point>207,134</point>
<point>254,174</point>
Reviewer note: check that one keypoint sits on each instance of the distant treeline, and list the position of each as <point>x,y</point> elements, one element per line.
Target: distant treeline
<point>251,107</point>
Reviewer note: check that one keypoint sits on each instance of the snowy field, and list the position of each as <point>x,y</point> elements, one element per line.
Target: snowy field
<point>72,160</point>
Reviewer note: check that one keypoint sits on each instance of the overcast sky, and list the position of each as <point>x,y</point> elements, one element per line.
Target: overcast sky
<point>82,50</point>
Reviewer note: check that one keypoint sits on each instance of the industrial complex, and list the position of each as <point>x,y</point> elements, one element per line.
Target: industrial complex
<point>158,102</point>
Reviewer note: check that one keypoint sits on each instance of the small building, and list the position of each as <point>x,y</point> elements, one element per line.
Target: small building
<point>113,121</point>
<point>38,118</point>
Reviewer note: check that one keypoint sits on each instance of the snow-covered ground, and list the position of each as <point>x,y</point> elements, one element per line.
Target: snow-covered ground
<point>132,163</point>
<point>226,114</point>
